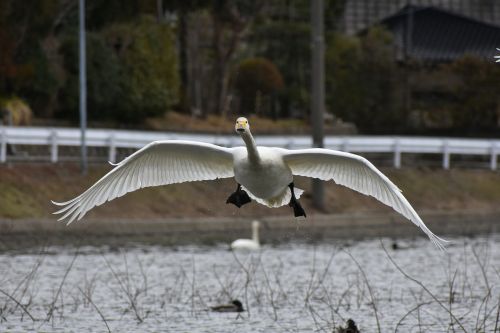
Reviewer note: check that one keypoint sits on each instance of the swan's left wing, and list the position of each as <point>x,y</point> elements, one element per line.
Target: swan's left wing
<point>357,173</point>
<point>158,163</point>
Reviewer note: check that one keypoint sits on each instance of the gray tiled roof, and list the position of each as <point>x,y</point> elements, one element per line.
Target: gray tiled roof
<point>360,14</point>
<point>441,35</point>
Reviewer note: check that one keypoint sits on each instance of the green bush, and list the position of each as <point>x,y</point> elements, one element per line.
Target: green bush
<point>104,79</point>
<point>131,72</point>
<point>476,101</point>
<point>148,59</point>
<point>364,81</point>
<point>344,95</point>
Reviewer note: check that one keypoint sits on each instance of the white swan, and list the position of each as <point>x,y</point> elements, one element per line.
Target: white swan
<point>263,174</point>
<point>248,244</point>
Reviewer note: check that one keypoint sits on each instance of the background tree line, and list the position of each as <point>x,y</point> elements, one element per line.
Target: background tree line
<point>222,57</point>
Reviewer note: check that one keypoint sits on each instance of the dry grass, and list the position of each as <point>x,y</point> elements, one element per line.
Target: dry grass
<point>26,191</point>
<point>173,121</point>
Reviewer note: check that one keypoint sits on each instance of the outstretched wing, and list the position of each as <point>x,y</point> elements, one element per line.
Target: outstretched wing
<point>158,163</point>
<point>357,173</point>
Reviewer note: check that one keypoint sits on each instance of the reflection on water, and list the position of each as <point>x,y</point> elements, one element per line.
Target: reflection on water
<point>286,288</point>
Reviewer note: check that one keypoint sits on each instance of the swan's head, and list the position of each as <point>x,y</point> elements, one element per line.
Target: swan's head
<point>242,125</point>
<point>255,224</point>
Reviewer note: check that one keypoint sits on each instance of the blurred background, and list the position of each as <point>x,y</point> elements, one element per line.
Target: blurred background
<point>391,66</point>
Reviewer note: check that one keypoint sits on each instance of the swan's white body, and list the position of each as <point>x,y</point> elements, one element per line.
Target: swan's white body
<point>248,244</point>
<point>263,172</point>
<point>265,181</point>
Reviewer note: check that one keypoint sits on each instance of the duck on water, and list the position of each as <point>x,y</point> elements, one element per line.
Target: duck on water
<point>234,306</point>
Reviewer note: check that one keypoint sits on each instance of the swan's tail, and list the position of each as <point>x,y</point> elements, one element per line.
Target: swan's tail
<point>278,201</point>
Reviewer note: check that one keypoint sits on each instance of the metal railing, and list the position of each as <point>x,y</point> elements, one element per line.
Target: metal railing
<point>114,139</point>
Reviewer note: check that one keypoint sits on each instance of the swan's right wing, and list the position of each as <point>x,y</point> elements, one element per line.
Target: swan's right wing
<point>357,173</point>
<point>158,163</point>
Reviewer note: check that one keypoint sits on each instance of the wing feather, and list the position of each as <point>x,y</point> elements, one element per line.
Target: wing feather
<point>357,173</point>
<point>159,163</point>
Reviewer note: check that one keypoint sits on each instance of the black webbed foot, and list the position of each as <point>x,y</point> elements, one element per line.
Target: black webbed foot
<point>294,203</point>
<point>297,208</point>
<point>239,198</point>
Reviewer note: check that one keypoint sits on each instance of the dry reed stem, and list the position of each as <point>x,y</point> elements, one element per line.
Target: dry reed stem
<point>125,291</point>
<point>374,305</point>
<point>52,306</point>
<point>97,309</point>
<point>19,304</point>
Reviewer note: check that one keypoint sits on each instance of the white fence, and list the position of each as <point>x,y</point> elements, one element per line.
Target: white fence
<point>113,139</point>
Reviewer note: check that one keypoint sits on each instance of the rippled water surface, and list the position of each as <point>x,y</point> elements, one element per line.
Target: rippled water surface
<point>285,288</point>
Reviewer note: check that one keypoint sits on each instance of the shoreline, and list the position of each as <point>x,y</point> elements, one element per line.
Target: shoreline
<point>450,202</point>
<point>20,233</point>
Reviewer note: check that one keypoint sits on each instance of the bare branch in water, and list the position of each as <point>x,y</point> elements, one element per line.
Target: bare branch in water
<point>96,308</point>
<point>423,287</point>
<point>374,305</point>
<point>53,304</point>
<point>125,290</point>
<point>19,304</point>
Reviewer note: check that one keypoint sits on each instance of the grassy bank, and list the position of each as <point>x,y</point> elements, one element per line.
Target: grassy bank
<point>26,191</point>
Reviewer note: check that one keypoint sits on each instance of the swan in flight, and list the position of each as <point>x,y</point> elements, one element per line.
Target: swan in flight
<point>248,244</point>
<point>263,174</point>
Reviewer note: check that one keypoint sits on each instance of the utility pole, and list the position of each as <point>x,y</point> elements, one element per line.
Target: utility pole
<point>317,90</point>
<point>83,89</point>
<point>159,11</point>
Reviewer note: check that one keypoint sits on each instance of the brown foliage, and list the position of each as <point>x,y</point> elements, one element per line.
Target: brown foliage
<point>255,77</point>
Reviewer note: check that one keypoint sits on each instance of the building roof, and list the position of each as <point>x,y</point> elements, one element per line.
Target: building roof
<point>361,14</point>
<point>439,35</point>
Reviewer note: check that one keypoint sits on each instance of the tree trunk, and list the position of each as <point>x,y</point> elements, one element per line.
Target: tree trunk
<point>185,102</point>
<point>159,11</point>
<point>219,67</point>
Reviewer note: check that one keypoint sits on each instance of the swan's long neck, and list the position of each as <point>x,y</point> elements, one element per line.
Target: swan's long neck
<point>253,153</point>
<point>255,233</point>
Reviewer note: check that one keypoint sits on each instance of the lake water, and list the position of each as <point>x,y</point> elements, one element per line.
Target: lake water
<point>291,287</point>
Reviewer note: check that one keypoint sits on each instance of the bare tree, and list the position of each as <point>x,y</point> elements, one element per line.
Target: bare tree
<point>231,20</point>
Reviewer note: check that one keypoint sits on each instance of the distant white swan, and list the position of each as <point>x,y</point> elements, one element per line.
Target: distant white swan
<point>263,174</point>
<point>248,244</point>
